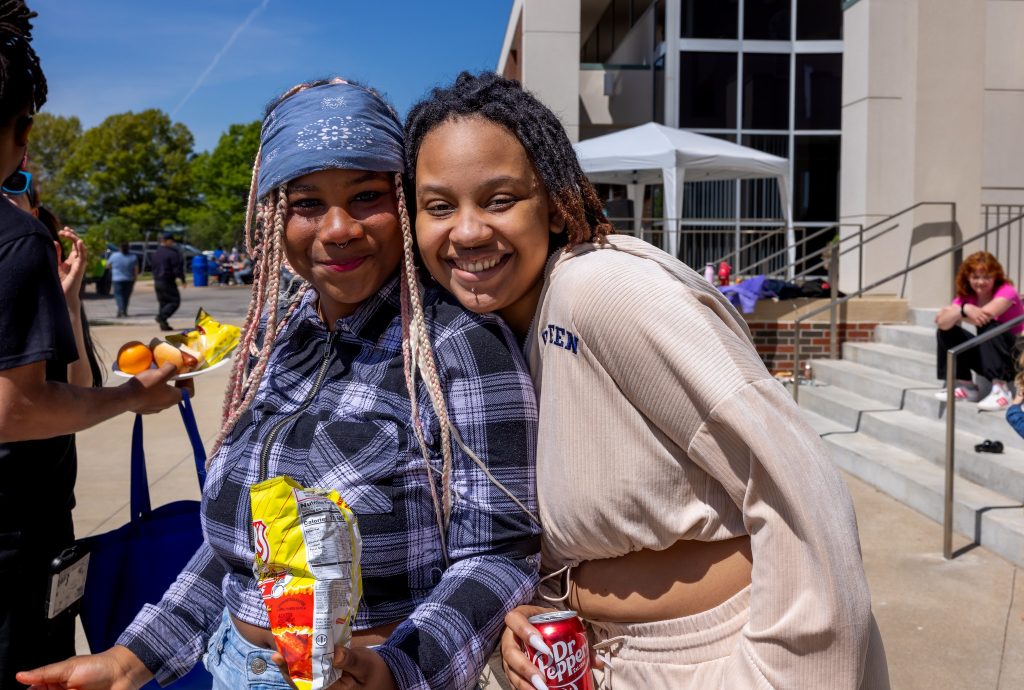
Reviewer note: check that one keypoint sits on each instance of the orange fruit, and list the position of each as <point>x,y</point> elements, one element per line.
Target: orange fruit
<point>134,357</point>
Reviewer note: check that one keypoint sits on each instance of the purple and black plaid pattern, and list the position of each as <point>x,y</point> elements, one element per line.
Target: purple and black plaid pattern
<point>354,435</point>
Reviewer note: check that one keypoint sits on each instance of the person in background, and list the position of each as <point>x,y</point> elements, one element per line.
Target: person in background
<point>243,270</point>
<point>168,269</point>
<point>124,269</point>
<point>39,410</point>
<point>984,298</point>
<point>1015,411</point>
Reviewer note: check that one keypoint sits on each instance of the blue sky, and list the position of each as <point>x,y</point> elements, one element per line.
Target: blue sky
<point>210,63</point>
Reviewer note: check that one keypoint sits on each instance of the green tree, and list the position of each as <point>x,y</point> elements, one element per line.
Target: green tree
<point>222,178</point>
<point>53,140</point>
<point>131,173</point>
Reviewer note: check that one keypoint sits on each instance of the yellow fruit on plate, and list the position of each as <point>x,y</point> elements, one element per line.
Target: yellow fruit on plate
<point>134,357</point>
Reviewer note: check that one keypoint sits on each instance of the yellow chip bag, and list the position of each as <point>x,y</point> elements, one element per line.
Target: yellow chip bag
<point>213,340</point>
<point>307,566</point>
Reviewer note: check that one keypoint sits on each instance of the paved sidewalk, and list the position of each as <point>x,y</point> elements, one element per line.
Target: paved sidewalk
<point>947,625</point>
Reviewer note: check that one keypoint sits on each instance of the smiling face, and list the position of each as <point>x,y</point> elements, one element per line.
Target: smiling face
<point>343,235</point>
<point>982,283</point>
<point>483,219</point>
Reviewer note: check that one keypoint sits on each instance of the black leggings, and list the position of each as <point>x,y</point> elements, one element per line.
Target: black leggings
<point>993,359</point>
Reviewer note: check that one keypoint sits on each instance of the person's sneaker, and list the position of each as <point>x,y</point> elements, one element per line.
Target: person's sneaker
<point>961,393</point>
<point>998,399</point>
<point>164,326</point>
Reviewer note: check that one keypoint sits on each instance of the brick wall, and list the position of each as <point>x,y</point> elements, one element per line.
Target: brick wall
<point>774,340</point>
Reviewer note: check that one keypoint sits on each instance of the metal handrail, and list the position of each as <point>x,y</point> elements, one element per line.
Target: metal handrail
<point>951,355</point>
<point>859,236</point>
<point>831,306</point>
<point>745,270</point>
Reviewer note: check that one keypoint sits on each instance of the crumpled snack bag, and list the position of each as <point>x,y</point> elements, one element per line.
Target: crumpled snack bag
<point>214,340</point>
<point>307,566</point>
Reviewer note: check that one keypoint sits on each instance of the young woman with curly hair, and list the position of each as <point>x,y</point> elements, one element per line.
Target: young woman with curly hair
<point>701,530</point>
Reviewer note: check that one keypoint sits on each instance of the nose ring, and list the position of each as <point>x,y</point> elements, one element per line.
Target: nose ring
<point>341,245</point>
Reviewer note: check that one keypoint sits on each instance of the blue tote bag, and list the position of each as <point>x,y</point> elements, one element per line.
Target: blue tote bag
<point>135,564</point>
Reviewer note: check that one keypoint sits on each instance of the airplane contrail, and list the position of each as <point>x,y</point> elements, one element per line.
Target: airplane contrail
<point>216,58</point>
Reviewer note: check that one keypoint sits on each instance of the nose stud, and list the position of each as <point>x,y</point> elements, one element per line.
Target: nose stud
<point>473,290</point>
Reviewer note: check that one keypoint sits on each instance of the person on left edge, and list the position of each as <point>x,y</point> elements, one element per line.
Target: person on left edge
<point>39,410</point>
<point>168,268</point>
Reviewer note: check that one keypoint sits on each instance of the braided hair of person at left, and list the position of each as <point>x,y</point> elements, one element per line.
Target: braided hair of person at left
<point>22,81</point>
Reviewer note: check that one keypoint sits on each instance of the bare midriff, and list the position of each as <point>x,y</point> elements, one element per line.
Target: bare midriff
<point>261,637</point>
<point>687,578</point>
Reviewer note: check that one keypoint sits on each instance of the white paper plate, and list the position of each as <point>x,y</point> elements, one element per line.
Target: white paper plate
<point>180,377</point>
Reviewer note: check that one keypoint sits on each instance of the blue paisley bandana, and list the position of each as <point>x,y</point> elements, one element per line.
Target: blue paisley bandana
<point>331,126</point>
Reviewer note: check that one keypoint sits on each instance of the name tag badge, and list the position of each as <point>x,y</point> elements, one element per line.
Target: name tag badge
<point>67,580</point>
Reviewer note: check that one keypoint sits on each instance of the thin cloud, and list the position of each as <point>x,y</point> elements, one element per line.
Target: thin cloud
<point>216,58</point>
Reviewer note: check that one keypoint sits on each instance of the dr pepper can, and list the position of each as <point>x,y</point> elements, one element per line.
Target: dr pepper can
<point>568,667</point>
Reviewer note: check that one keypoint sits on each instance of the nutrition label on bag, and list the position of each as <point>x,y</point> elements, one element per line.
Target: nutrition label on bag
<point>328,546</point>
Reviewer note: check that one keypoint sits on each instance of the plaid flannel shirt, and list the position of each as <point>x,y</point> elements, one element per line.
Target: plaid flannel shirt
<point>354,434</point>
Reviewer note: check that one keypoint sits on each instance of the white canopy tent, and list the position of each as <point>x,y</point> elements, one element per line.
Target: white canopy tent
<point>653,153</point>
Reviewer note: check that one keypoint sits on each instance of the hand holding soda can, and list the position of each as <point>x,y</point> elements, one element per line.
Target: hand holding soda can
<point>568,666</point>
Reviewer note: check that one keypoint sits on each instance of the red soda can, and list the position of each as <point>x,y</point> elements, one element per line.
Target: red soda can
<point>568,667</point>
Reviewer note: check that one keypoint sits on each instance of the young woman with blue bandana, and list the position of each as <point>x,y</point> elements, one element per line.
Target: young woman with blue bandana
<point>420,413</point>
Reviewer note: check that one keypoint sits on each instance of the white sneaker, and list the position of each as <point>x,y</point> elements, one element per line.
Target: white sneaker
<point>998,399</point>
<point>960,393</point>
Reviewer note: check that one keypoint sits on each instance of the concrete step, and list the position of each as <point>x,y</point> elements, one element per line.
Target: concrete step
<point>988,517</point>
<point>887,388</point>
<point>892,359</point>
<point>922,317</point>
<point>899,392</point>
<point>917,338</point>
<point>913,433</point>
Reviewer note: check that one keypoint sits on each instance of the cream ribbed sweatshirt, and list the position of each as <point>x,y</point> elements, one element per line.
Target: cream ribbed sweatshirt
<point>658,422</point>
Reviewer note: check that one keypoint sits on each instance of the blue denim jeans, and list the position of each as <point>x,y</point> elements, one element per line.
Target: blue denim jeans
<point>234,663</point>
<point>122,295</point>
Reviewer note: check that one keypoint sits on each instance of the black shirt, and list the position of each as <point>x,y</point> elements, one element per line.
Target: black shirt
<point>37,478</point>
<point>167,264</point>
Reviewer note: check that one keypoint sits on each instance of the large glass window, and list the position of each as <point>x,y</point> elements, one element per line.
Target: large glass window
<point>819,87</point>
<point>622,13</point>
<point>659,90</point>
<point>767,19</point>
<point>605,36</point>
<point>710,19</point>
<point>766,91</point>
<point>819,20</point>
<point>760,198</point>
<point>639,7</point>
<point>707,92</point>
<point>816,178</point>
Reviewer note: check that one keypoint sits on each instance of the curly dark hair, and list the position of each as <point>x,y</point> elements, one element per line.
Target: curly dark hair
<point>505,103</point>
<point>21,77</point>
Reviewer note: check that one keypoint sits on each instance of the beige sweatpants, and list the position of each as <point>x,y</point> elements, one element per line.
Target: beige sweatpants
<point>697,652</point>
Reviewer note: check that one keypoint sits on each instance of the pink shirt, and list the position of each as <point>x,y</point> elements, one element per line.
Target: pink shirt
<point>1008,292</point>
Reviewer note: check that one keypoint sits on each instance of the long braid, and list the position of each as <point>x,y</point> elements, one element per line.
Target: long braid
<point>418,354</point>
<point>504,102</point>
<point>22,81</point>
<point>268,250</point>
